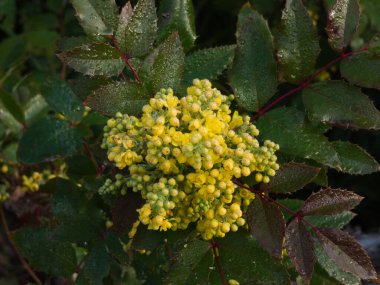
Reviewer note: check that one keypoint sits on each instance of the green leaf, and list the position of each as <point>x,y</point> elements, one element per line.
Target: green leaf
<point>286,126</point>
<point>346,252</point>
<point>97,17</point>
<point>300,247</point>
<point>372,8</point>
<point>62,99</point>
<point>369,65</point>
<point>177,15</point>
<point>96,266</point>
<point>125,97</point>
<point>334,271</point>
<point>254,266</point>
<point>12,50</point>
<point>267,225</point>
<point>47,139</point>
<point>340,104</point>
<point>7,15</point>
<point>94,59</point>
<point>192,265</point>
<point>141,30</point>
<point>320,276</point>
<point>207,63</point>
<point>122,28</point>
<point>79,219</point>
<point>374,44</point>
<point>44,252</point>
<point>343,19</point>
<point>332,221</point>
<point>35,109</point>
<point>12,106</point>
<point>330,202</point>
<point>297,42</point>
<point>354,159</point>
<point>169,64</point>
<point>253,74</point>
<point>9,120</point>
<point>292,177</point>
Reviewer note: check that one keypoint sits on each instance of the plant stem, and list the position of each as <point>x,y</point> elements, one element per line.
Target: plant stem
<point>306,83</point>
<point>22,260</point>
<point>217,261</point>
<point>125,58</point>
<point>93,160</point>
<point>297,215</point>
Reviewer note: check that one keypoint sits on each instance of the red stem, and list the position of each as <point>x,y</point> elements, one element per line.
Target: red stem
<point>306,83</point>
<point>297,215</point>
<point>125,58</point>
<point>93,160</point>
<point>217,262</point>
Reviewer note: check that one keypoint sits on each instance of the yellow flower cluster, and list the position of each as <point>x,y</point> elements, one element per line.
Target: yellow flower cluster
<point>182,155</point>
<point>33,182</point>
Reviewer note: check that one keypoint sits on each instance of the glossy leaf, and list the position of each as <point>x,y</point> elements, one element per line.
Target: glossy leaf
<point>47,139</point>
<point>354,159</point>
<point>44,252</point>
<point>177,15</point>
<point>97,17</point>
<point>286,126</point>
<point>292,177</point>
<point>62,99</point>
<point>300,247</point>
<point>141,30</point>
<point>207,63</point>
<point>95,59</point>
<point>331,221</point>
<point>122,27</point>
<point>346,252</point>
<point>369,65</point>
<point>192,263</point>
<point>124,97</point>
<point>35,109</point>
<point>79,220</point>
<point>8,119</point>
<point>169,64</point>
<point>343,19</point>
<point>297,42</point>
<point>267,225</point>
<point>340,104</point>
<point>253,74</point>
<point>96,266</point>
<point>334,271</point>
<point>252,266</point>
<point>330,202</point>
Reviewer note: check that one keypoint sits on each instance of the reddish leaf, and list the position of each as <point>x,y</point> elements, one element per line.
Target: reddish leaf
<point>300,247</point>
<point>267,226</point>
<point>292,177</point>
<point>346,252</point>
<point>330,202</point>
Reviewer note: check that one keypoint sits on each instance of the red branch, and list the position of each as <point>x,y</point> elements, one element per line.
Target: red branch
<point>297,215</point>
<point>22,260</point>
<point>125,58</point>
<point>306,83</point>
<point>93,159</point>
<point>214,247</point>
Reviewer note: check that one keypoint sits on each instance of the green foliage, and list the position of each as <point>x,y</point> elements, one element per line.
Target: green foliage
<point>253,73</point>
<point>123,56</point>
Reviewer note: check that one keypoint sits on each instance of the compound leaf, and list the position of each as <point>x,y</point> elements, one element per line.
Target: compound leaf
<point>94,59</point>
<point>48,138</point>
<point>343,19</point>
<point>267,226</point>
<point>125,97</point>
<point>177,15</point>
<point>340,104</point>
<point>330,202</point>
<point>253,74</point>
<point>346,252</point>
<point>297,42</point>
